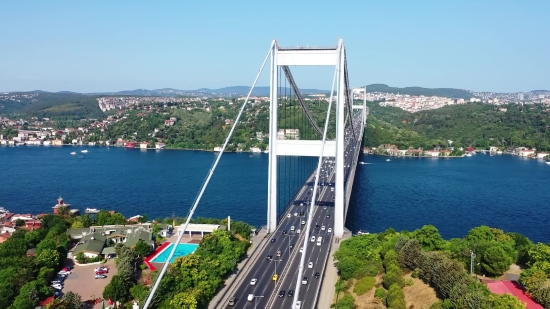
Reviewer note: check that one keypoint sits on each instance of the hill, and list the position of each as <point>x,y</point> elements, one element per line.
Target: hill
<point>477,125</point>
<point>60,105</point>
<point>226,91</point>
<point>418,91</point>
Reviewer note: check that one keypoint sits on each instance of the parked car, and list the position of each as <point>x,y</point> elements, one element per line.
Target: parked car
<point>101,268</point>
<point>57,286</point>
<point>101,272</point>
<point>65,273</point>
<point>100,276</point>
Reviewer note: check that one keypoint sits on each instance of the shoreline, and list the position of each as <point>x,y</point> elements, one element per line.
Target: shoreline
<point>165,148</point>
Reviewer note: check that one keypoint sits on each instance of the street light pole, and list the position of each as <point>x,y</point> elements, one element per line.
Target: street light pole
<point>279,260</point>
<point>288,235</point>
<point>256,300</point>
<point>472,257</point>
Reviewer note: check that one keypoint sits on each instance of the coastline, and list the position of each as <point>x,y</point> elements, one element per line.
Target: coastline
<point>390,156</point>
<point>165,148</point>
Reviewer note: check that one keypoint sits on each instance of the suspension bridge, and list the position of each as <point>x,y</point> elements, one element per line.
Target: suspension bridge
<point>312,162</point>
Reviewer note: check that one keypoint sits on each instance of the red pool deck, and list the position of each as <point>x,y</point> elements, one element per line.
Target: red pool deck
<point>513,288</point>
<point>152,255</point>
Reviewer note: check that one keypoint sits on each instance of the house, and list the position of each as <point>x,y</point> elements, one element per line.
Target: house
<point>143,145</point>
<point>199,228</point>
<point>169,122</point>
<point>526,153</point>
<point>431,153</point>
<point>445,153</point>
<point>493,149</point>
<point>415,152</point>
<point>95,240</point>
<point>541,155</point>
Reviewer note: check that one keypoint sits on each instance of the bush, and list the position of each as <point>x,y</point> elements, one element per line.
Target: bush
<point>396,297</point>
<point>393,275</point>
<point>415,273</point>
<point>409,282</point>
<point>380,294</point>
<point>364,285</point>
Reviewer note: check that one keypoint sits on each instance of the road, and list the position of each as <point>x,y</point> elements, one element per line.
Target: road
<point>288,239</point>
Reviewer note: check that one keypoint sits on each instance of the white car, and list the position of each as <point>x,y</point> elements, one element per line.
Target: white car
<point>298,304</point>
<point>329,230</point>
<point>101,269</point>
<point>57,286</point>
<point>295,214</point>
<point>312,239</point>
<point>322,228</point>
<point>310,265</point>
<point>301,249</point>
<point>288,215</point>
<point>292,228</point>
<point>253,281</point>
<point>65,273</point>
<point>303,222</point>
<point>298,231</point>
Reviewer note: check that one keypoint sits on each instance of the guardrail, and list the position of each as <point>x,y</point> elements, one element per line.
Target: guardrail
<point>316,298</point>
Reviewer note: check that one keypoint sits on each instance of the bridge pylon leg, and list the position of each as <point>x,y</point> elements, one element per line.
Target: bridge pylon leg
<point>273,124</point>
<point>339,198</point>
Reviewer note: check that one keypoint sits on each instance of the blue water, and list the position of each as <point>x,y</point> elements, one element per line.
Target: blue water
<point>181,250</point>
<point>454,194</point>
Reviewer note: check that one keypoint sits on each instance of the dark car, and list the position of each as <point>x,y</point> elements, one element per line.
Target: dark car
<point>317,227</point>
<point>291,246</point>
<point>272,239</point>
<point>290,293</point>
<point>282,293</point>
<point>269,257</point>
<point>317,275</point>
<point>284,231</point>
<point>301,213</point>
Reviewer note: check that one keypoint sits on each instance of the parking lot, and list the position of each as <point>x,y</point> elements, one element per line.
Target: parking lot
<point>81,281</point>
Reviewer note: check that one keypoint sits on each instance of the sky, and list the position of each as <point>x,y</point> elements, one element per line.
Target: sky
<point>93,46</point>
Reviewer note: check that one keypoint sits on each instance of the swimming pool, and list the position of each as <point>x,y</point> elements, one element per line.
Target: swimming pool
<point>181,250</point>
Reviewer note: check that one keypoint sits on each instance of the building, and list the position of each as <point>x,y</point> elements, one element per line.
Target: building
<point>199,228</point>
<point>100,240</point>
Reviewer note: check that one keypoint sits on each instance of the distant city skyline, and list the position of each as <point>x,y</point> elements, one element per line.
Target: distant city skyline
<point>115,46</point>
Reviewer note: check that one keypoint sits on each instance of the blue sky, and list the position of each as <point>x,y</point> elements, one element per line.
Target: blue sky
<point>88,46</point>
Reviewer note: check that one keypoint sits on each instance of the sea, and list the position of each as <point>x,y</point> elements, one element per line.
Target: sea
<point>454,194</point>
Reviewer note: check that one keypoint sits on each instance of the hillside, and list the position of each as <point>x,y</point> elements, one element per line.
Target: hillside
<point>61,105</point>
<point>226,91</point>
<point>417,91</point>
<point>478,125</point>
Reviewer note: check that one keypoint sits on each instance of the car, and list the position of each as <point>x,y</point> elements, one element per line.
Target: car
<point>325,207</point>
<point>101,268</point>
<point>322,228</point>
<point>317,275</point>
<point>304,280</point>
<point>310,265</point>
<point>291,246</point>
<point>232,301</point>
<point>290,293</point>
<point>278,253</point>
<point>273,239</point>
<point>66,269</point>
<point>284,232</point>
<point>57,282</point>
<point>329,230</point>
<point>275,277</point>
<point>250,297</point>
<point>317,226</point>
<point>298,304</point>
<point>288,215</point>
<point>301,249</point>
<point>312,239</point>
<point>65,273</point>
<point>301,213</point>
<point>100,276</point>
<point>292,228</point>
<point>328,216</point>
<point>253,281</point>
<point>282,293</point>
<point>303,222</point>
<point>57,286</point>
<point>298,231</point>
<point>101,272</point>
<point>295,214</point>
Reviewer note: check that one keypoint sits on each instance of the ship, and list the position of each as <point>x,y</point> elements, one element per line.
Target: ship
<point>84,151</point>
<point>73,153</point>
<point>91,210</point>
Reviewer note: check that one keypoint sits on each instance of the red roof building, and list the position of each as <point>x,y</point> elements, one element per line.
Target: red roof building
<point>515,289</point>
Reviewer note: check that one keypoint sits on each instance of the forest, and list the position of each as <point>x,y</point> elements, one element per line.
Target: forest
<point>387,262</point>
<point>474,124</point>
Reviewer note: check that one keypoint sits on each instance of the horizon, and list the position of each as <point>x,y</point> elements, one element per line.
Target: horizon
<point>111,46</point>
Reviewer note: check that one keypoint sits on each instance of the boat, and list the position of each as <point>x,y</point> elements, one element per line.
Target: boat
<point>91,210</point>
<point>547,162</point>
<point>3,210</point>
<point>84,151</point>
<point>388,160</point>
<point>73,153</point>
<point>359,233</point>
<point>362,163</point>
<point>468,154</point>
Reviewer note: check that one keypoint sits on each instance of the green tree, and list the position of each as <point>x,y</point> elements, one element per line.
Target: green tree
<point>139,292</point>
<point>495,261</point>
<point>72,300</point>
<point>184,300</point>
<point>117,290</point>
<point>502,301</point>
<point>77,224</point>
<point>395,298</point>
<point>28,296</point>
<point>19,222</point>
<point>142,248</point>
<point>48,258</point>
<point>429,238</point>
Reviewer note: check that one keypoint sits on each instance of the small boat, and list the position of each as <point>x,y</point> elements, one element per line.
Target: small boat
<point>388,160</point>
<point>547,162</point>
<point>73,153</point>
<point>362,163</point>
<point>84,151</point>
<point>468,154</point>
<point>359,233</point>
<point>91,211</point>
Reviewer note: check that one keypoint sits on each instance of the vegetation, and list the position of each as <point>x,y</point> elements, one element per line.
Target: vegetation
<point>58,106</point>
<point>418,91</point>
<point>25,279</point>
<point>443,265</point>
<point>477,125</point>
